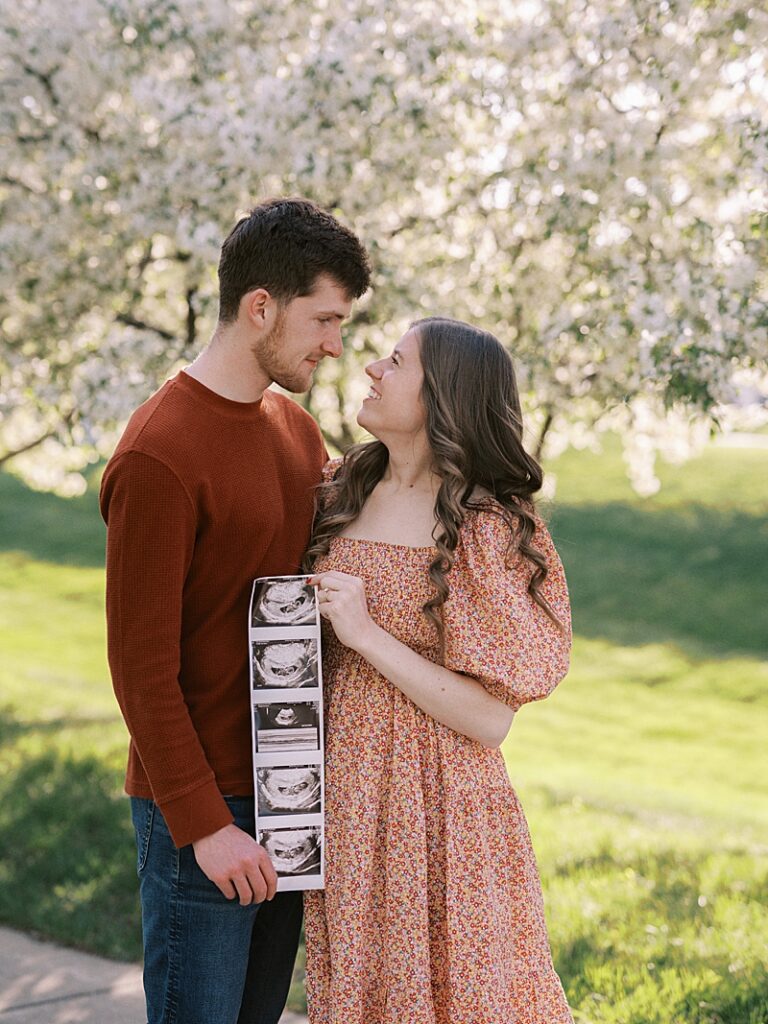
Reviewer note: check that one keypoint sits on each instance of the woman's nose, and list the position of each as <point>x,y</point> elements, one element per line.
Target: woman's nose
<point>374,369</point>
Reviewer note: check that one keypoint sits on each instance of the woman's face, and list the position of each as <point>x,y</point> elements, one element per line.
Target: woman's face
<point>393,406</point>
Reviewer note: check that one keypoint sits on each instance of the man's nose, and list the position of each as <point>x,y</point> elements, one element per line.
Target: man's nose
<point>333,344</point>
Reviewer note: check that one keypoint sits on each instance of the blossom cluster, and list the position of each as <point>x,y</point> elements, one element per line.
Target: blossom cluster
<point>588,180</point>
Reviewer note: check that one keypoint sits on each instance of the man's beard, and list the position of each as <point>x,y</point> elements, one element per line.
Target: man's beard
<point>270,357</point>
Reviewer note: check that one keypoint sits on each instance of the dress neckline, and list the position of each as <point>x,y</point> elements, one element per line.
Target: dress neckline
<point>479,508</point>
<point>386,543</point>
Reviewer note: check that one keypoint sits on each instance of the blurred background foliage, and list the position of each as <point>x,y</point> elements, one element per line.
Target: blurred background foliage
<point>585,178</point>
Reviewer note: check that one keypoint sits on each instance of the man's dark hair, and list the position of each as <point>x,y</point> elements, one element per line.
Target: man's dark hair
<point>282,246</point>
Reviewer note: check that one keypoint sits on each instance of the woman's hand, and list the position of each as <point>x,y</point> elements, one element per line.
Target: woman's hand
<point>341,600</point>
<point>452,698</point>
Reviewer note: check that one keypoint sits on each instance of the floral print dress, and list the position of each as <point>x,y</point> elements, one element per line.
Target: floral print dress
<point>432,911</point>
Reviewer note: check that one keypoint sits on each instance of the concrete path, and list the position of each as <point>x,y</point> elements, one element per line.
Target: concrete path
<point>41,983</point>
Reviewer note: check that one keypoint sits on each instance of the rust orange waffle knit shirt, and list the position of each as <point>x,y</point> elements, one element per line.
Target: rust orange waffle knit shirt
<point>201,496</point>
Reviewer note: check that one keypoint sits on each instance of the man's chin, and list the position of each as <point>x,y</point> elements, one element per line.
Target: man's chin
<point>294,383</point>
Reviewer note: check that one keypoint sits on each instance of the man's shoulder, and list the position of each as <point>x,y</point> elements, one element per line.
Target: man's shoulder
<point>144,458</point>
<point>289,409</point>
<point>294,423</point>
<point>153,428</point>
<point>191,438</point>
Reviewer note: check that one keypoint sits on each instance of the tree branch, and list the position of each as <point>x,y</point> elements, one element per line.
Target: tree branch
<point>543,434</point>
<point>6,456</point>
<point>191,319</point>
<point>141,325</point>
<point>46,81</point>
<point>65,421</point>
<point>15,182</point>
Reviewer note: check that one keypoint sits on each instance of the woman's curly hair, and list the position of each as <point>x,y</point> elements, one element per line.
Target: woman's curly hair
<point>475,431</point>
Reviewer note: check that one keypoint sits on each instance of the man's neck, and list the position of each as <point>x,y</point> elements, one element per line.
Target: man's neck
<point>227,366</point>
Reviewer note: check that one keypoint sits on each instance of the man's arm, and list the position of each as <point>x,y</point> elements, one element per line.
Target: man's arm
<point>151,526</point>
<point>150,539</point>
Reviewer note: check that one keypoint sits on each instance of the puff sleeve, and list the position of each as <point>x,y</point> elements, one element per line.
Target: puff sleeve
<point>330,469</point>
<point>494,630</point>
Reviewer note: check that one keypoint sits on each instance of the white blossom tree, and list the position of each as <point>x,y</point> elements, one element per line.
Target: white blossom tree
<point>589,180</point>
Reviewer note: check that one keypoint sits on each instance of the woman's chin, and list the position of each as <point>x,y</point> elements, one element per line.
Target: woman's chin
<point>366,418</point>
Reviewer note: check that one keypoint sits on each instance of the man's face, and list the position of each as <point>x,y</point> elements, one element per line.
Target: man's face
<point>307,330</point>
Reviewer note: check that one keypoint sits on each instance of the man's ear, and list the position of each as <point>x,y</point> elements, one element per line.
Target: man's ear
<point>258,307</point>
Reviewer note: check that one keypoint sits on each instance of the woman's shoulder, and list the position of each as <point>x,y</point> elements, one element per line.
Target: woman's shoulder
<point>487,513</point>
<point>491,527</point>
<point>331,468</point>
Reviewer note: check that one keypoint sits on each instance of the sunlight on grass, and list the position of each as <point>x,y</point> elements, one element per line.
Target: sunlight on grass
<point>643,776</point>
<point>720,478</point>
<point>650,729</point>
<point>652,921</point>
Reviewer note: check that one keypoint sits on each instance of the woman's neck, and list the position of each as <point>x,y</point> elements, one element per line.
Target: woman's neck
<point>410,468</point>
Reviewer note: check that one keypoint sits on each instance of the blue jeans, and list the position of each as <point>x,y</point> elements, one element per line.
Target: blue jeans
<point>207,960</point>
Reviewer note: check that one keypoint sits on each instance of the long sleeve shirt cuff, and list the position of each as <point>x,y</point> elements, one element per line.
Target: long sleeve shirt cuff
<point>196,814</point>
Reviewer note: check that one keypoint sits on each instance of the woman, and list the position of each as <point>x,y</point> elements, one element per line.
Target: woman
<point>449,610</point>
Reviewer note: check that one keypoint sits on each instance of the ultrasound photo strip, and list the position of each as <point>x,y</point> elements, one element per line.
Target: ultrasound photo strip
<point>287,727</point>
<point>288,790</point>
<point>297,856</point>
<point>285,664</point>
<point>283,601</point>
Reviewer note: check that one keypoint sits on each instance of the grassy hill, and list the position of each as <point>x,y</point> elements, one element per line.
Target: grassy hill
<point>643,776</point>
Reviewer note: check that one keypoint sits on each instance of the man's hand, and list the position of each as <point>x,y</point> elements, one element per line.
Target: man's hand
<point>237,864</point>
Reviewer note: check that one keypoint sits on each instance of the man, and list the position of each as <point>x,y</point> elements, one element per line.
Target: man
<point>210,486</point>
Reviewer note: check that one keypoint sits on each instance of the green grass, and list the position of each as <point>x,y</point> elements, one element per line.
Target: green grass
<point>647,798</point>
<point>643,776</point>
<point>654,919</point>
<point>686,566</point>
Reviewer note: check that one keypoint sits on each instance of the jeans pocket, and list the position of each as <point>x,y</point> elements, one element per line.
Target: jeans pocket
<point>143,819</point>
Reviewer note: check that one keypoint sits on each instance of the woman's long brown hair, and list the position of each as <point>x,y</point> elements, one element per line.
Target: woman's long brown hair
<point>475,431</point>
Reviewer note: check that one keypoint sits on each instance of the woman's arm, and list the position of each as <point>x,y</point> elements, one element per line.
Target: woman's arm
<point>455,700</point>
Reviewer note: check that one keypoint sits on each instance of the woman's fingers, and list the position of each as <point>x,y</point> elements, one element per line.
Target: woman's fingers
<point>331,580</point>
